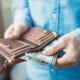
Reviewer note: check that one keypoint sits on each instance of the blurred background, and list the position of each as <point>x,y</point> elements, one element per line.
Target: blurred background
<point>5,21</point>
<point>5,15</point>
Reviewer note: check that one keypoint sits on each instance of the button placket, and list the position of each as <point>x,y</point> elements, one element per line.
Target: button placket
<point>53,21</point>
<point>54,16</point>
<point>53,24</point>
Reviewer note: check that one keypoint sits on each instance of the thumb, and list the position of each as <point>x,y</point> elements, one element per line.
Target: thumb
<point>18,30</point>
<point>58,45</point>
<point>8,32</point>
<point>16,33</point>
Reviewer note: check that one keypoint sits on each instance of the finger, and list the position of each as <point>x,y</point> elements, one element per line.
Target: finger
<point>65,61</point>
<point>8,32</point>
<point>18,31</point>
<point>58,45</point>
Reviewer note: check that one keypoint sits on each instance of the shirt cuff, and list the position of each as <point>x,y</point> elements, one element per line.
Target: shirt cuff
<point>77,33</point>
<point>22,16</point>
<point>22,19</point>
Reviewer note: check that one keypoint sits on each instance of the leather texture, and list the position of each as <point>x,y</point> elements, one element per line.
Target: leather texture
<point>33,40</point>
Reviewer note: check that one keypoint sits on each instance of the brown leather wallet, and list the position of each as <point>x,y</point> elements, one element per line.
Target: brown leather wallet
<point>31,41</point>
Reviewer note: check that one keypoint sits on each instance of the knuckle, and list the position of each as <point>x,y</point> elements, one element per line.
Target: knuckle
<point>63,40</point>
<point>73,61</point>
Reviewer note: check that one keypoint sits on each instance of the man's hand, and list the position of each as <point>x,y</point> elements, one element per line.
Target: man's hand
<point>70,45</point>
<point>15,30</point>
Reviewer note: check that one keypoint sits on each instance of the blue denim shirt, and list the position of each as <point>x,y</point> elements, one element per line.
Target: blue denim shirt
<point>61,16</point>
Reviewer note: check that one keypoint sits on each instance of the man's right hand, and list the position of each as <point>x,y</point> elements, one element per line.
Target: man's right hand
<point>15,30</point>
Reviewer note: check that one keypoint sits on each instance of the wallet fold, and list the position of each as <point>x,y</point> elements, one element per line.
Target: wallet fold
<point>31,41</point>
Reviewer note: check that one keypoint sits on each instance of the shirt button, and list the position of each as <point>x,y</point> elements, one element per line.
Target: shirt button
<point>54,16</point>
<point>52,70</point>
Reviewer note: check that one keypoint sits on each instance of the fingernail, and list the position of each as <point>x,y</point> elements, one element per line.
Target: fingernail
<point>45,52</point>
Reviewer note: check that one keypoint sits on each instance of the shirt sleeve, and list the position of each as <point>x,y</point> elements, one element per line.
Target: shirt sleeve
<point>77,33</point>
<point>21,12</point>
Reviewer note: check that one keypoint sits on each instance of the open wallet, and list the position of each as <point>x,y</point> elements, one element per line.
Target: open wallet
<point>34,40</point>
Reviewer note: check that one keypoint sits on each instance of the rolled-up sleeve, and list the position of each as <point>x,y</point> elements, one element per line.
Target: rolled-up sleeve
<point>77,33</point>
<point>21,12</point>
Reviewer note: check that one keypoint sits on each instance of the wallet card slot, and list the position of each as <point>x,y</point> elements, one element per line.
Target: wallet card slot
<point>44,35</point>
<point>45,38</point>
<point>20,52</point>
<point>43,45</point>
<point>25,48</point>
<point>16,49</point>
<point>10,44</point>
<point>21,49</point>
<point>37,36</point>
<point>29,42</point>
<point>5,48</point>
<point>34,42</point>
<point>5,54</point>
